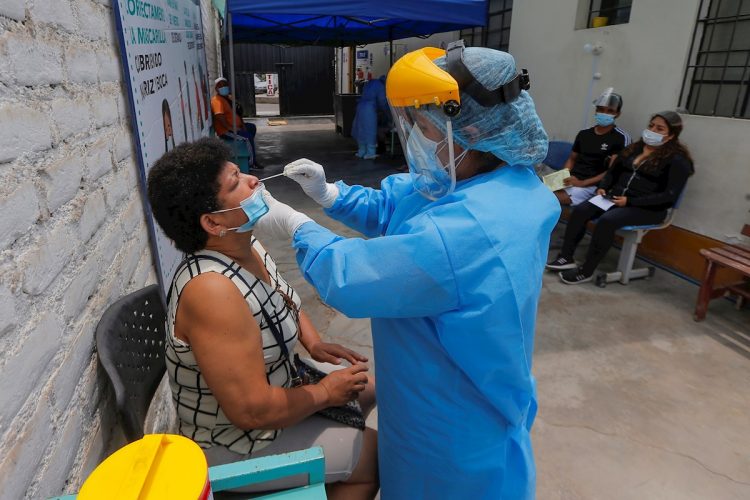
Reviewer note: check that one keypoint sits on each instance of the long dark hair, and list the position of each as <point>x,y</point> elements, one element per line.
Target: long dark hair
<point>661,155</point>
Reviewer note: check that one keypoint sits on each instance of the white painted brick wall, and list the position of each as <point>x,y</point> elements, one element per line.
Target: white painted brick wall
<point>46,259</point>
<point>104,111</point>
<point>57,12</point>
<point>92,216</point>
<point>95,20</point>
<point>7,309</point>
<point>62,179</point>
<point>108,64</point>
<point>24,369</point>
<point>98,161</point>
<point>23,203</point>
<point>13,9</point>
<point>30,61</point>
<point>80,65</point>
<point>72,240</point>
<point>70,117</point>
<point>24,130</point>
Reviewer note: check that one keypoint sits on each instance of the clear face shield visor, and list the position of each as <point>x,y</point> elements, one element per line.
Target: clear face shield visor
<point>430,152</point>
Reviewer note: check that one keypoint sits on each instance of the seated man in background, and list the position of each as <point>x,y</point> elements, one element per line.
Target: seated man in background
<point>221,110</point>
<point>593,150</point>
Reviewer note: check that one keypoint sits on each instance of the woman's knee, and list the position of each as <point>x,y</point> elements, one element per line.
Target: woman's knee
<point>366,470</point>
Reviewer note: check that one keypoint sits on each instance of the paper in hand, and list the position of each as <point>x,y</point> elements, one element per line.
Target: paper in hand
<point>602,202</point>
<point>554,181</point>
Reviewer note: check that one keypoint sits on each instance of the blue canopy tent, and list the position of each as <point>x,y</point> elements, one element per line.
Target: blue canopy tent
<point>348,22</point>
<point>345,22</point>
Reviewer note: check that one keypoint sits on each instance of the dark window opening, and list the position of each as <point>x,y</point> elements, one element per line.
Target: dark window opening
<point>608,12</point>
<point>496,35</point>
<point>717,79</point>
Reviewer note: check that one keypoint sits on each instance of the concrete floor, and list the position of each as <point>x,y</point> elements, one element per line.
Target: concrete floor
<point>636,400</point>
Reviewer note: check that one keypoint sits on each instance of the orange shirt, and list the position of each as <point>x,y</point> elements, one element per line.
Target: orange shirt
<point>221,106</point>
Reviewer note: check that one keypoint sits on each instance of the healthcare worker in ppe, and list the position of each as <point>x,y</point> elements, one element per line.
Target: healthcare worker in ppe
<point>450,275</point>
<point>365,124</point>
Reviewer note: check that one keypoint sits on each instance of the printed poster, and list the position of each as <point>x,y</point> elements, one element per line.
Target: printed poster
<point>164,62</point>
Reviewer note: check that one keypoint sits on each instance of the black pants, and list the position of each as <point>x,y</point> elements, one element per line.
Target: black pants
<point>604,232</point>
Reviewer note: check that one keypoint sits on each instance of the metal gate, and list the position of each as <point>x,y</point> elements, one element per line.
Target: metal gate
<point>306,76</point>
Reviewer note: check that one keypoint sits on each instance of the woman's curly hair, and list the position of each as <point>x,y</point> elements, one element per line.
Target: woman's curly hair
<point>183,185</point>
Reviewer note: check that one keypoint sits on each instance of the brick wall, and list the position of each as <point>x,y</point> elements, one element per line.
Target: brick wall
<point>72,237</point>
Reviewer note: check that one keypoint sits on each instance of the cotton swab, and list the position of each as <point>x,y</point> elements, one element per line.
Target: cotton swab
<point>271,177</point>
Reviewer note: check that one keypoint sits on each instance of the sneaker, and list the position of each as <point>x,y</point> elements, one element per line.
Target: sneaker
<point>574,277</point>
<point>561,264</point>
<point>369,157</point>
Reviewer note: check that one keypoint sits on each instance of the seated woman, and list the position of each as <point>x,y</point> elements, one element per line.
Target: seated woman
<point>644,181</point>
<point>231,380</point>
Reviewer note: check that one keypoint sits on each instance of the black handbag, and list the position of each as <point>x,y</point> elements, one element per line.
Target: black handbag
<point>303,374</point>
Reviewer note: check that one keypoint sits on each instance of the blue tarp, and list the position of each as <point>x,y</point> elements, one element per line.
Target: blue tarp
<point>349,22</point>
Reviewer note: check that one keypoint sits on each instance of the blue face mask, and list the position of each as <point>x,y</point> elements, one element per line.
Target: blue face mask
<point>224,91</point>
<point>603,119</point>
<point>254,207</point>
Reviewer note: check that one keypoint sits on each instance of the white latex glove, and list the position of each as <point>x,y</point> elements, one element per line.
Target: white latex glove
<point>312,178</point>
<point>281,221</point>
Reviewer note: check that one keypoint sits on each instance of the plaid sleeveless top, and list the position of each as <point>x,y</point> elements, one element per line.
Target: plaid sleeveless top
<point>199,414</point>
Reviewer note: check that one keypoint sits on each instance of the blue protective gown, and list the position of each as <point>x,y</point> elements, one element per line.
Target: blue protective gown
<point>452,288</point>
<point>365,124</point>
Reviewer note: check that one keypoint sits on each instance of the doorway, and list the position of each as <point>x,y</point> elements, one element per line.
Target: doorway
<point>267,94</point>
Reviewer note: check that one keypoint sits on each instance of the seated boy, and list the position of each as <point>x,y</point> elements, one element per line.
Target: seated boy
<point>593,150</point>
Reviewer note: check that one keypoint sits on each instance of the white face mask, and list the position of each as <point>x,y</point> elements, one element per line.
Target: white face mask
<point>652,138</point>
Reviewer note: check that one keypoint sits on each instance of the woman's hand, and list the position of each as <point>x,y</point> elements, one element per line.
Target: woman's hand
<point>573,181</point>
<point>345,385</point>
<point>601,192</point>
<point>620,201</point>
<point>333,353</point>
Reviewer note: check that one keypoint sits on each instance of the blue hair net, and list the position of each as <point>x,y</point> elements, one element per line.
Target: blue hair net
<point>513,131</point>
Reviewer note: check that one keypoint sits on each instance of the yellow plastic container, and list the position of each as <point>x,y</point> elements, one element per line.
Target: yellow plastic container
<point>599,22</point>
<point>159,466</point>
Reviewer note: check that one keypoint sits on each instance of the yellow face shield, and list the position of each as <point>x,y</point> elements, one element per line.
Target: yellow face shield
<point>416,81</point>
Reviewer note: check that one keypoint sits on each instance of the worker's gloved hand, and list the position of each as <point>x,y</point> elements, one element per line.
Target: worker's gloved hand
<point>281,221</point>
<point>312,178</point>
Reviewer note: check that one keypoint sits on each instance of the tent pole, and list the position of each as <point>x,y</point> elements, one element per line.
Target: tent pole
<point>231,75</point>
<point>390,45</point>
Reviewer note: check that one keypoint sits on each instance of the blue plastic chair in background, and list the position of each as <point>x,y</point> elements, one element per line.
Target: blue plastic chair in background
<point>557,154</point>
<point>242,153</point>
<point>631,238</point>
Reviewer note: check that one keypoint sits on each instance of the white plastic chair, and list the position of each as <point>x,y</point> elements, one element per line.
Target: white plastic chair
<point>631,238</point>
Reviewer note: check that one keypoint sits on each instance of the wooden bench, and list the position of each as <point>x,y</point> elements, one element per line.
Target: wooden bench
<point>735,257</point>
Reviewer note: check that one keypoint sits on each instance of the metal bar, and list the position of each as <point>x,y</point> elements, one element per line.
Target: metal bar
<point>726,58</point>
<point>740,113</point>
<point>710,41</point>
<point>231,78</point>
<point>390,46</point>
<point>690,54</point>
<point>727,19</point>
<point>591,11</point>
<point>721,51</point>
